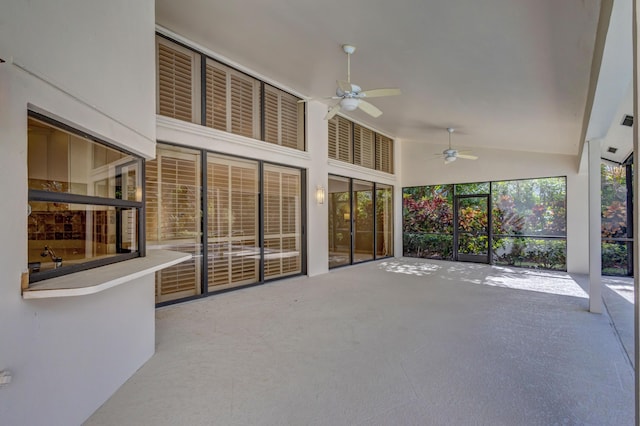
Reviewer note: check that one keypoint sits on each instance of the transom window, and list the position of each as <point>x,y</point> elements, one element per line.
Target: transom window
<point>353,143</point>
<point>223,98</point>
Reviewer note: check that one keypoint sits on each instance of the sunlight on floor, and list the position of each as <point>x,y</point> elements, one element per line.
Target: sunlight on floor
<point>623,286</point>
<point>552,282</point>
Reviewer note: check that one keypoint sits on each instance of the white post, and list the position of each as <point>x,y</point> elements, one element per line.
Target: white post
<point>595,238</point>
<point>636,199</point>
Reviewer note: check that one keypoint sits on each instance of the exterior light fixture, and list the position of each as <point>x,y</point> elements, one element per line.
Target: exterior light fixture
<point>320,194</point>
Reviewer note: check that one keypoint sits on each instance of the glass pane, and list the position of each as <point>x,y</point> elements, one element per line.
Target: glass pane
<point>384,220</point>
<point>428,221</point>
<point>363,220</point>
<point>473,226</point>
<point>232,208</point>
<point>173,193</point>
<point>472,188</point>
<point>530,207</point>
<point>282,237</point>
<point>339,222</point>
<point>615,257</point>
<point>531,252</point>
<point>60,161</point>
<point>61,235</point>
<point>617,243</point>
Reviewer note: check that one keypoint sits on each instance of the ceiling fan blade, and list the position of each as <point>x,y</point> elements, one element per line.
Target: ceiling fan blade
<point>332,112</point>
<point>369,109</point>
<point>377,93</point>
<point>317,99</point>
<point>467,157</point>
<point>345,86</point>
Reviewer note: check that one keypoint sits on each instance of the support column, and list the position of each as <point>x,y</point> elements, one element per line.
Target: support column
<point>595,238</point>
<point>636,210</point>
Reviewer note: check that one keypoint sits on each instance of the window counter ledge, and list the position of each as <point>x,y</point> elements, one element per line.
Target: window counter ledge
<point>105,277</point>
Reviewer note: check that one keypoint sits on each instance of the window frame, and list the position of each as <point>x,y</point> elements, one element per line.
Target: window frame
<point>379,143</point>
<point>204,290</point>
<point>199,93</point>
<point>69,198</point>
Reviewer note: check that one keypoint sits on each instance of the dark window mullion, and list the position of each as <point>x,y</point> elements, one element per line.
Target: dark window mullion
<point>261,216</point>
<point>375,218</point>
<point>65,197</point>
<point>262,112</point>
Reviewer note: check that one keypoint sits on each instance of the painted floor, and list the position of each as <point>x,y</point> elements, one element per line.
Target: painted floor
<point>393,342</point>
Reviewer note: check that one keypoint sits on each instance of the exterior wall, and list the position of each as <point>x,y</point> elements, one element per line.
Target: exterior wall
<point>420,168</point>
<point>314,160</point>
<point>67,356</point>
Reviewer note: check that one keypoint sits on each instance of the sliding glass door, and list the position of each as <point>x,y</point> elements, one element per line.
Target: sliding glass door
<point>384,220</point>
<point>282,221</point>
<point>173,203</point>
<point>339,221</point>
<point>232,222</point>
<point>251,211</point>
<point>360,221</point>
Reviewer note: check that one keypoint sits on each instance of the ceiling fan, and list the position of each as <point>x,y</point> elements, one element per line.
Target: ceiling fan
<point>450,155</point>
<point>352,96</point>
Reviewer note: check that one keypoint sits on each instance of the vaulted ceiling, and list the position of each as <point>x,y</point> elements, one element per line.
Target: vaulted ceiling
<point>508,74</point>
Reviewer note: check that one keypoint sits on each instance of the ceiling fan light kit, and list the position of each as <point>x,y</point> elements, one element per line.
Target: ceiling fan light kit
<point>349,104</point>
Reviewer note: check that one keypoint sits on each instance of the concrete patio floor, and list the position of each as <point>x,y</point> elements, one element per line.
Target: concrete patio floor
<point>392,342</point>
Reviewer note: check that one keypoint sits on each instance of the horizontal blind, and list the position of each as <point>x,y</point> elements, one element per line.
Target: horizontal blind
<point>173,218</point>
<point>181,280</point>
<point>290,116</point>
<point>243,101</point>
<point>340,139</point>
<point>333,138</point>
<point>232,189</point>
<point>216,97</point>
<point>180,198</point>
<point>363,146</point>
<point>175,82</point>
<point>384,153</point>
<point>151,193</point>
<point>282,234</point>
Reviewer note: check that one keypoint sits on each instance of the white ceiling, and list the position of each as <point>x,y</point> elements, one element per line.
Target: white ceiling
<point>508,74</point>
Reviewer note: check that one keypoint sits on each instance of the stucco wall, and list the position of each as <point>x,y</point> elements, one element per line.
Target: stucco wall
<point>78,60</point>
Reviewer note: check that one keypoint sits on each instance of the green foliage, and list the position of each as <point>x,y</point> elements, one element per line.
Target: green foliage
<point>523,207</point>
<point>614,258</point>
<point>432,246</point>
<point>531,253</point>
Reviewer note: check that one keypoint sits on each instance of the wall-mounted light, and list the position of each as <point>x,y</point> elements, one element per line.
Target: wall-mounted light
<point>320,194</point>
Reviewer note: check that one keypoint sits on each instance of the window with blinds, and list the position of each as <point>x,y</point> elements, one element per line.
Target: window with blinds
<point>340,139</point>
<point>232,101</point>
<point>353,143</point>
<point>384,153</point>
<point>283,119</point>
<point>173,218</point>
<point>282,229</point>
<point>363,146</point>
<point>232,207</point>
<point>177,80</point>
